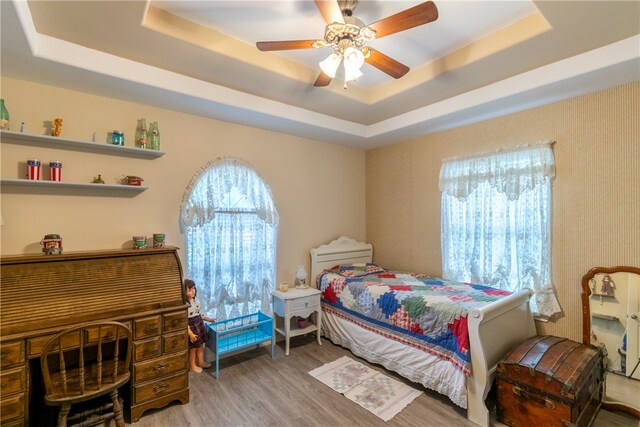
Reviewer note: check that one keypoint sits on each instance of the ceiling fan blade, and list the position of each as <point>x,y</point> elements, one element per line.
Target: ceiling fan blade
<point>285,45</point>
<point>330,11</point>
<point>412,17</point>
<point>386,64</point>
<point>322,80</point>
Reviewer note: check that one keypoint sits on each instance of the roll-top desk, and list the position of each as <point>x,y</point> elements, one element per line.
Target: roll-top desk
<point>44,294</point>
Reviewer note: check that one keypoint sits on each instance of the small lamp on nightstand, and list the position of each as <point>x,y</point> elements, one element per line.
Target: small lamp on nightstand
<point>301,278</point>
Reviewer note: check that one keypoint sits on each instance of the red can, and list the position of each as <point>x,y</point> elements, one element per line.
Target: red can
<point>56,171</point>
<point>33,169</point>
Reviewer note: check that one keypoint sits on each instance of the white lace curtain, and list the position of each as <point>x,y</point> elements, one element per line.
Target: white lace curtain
<point>230,223</point>
<point>496,222</point>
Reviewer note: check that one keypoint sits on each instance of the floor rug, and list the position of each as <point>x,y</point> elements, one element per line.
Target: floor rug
<point>377,393</point>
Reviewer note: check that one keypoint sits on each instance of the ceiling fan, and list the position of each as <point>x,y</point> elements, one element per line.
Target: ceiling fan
<point>347,37</point>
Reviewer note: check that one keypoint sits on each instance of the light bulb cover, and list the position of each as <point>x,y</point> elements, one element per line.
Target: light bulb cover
<point>330,65</point>
<point>353,58</point>
<point>351,74</point>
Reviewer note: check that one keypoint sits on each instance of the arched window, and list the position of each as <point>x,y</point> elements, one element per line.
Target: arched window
<point>231,225</point>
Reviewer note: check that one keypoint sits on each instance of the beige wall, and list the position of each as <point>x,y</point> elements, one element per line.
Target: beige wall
<point>596,192</point>
<point>306,177</point>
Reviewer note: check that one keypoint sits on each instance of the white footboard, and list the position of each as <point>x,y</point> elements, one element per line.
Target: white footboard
<point>493,330</point>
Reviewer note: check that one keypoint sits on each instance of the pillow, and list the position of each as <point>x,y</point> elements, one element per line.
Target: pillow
<point>357,269</point>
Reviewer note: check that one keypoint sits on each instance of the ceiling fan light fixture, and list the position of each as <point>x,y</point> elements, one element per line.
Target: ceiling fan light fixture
<point>330,65</point>
<point>351,74</point>
<point>353,58</point>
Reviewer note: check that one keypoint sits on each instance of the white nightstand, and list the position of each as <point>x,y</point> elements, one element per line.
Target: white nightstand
<point>296,302</point>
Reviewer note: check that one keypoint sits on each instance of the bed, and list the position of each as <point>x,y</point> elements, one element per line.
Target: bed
<point>462,370</point>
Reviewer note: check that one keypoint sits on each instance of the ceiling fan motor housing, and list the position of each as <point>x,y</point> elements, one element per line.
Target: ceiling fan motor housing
<point>347,7</point>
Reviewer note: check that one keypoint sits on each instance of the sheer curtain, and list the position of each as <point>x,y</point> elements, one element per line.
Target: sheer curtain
<point>496,222</point>
<point>230,224</point>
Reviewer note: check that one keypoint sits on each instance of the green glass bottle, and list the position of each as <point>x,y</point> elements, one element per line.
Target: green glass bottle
<point>154,136</point>
<point>4,116</point>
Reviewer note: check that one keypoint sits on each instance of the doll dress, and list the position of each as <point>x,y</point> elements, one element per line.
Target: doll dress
<point>196,324</point>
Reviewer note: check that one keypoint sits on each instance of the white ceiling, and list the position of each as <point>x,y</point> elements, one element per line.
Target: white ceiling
<point>251,21</point>
<point>480,59</point>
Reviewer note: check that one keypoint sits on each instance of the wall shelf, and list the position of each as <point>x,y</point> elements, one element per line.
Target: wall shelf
<point>47,141</point>
<point>70,185</point>
<point>605,317</point>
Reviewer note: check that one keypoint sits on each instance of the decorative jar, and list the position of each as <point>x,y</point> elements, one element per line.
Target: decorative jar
<point>33,169</point>
<point>117,137</point>
<point>51,244</point>
<point>302,322</point>
<point>55,169</point>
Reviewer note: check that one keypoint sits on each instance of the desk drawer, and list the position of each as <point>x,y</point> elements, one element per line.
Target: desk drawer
<point>174,342</point>
<point>146,327</point>
<point>13,380</point>
<point>303,303</point>
<point>159,388</point>
<point>12,407</point>
<point>146,349</point>
<point>11,353</point>
<point>159,368</point>
<point>175,321</point>
<point>107,333</point>
<point>35,345</point>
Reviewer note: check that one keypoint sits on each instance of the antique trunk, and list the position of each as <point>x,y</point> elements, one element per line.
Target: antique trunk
<point>550,381</point>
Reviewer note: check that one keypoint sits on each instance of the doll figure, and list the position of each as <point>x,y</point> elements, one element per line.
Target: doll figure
<point>197,330</point>
<point>608,287</point>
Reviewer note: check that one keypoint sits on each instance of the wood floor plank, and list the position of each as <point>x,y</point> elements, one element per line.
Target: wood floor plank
<point>255,390</point>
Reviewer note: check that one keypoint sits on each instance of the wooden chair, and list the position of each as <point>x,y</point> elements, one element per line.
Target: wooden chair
<point>94,361</point>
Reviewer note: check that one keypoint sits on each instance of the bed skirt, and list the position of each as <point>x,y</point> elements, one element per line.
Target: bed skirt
<point>415,365</point>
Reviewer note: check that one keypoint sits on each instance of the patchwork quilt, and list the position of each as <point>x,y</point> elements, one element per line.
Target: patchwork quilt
<point>425,312</point>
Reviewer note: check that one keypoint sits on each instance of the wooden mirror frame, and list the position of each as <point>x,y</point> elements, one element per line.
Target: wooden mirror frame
<point>586,322</point>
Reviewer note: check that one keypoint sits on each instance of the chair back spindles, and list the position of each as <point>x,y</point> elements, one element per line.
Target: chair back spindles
<point>116,355</point>
<point>87,367</point>
<point>99,357</point>
<point>81,362</point>
<point>63,371</point>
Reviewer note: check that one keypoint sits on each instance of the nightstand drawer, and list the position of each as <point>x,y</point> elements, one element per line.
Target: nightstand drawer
<point>303,303</point>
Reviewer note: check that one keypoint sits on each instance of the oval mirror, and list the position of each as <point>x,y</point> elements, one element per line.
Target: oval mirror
<point>611,320</point>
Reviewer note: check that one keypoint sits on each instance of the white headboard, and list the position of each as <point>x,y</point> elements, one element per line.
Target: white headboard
<point>340,251</point>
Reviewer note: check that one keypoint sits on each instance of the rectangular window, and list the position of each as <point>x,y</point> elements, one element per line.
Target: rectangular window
<point>496,222</point>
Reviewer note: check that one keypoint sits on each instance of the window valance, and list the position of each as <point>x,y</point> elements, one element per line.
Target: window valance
<point>210,189</point>
<point>511,172</point>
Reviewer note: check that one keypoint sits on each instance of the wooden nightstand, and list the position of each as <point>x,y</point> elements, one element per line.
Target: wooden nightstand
<point>296,302</point>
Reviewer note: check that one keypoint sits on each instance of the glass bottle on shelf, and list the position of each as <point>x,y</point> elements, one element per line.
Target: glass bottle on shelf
<point>154,136</point>
<point>4,116</point>
<point>142,136</point>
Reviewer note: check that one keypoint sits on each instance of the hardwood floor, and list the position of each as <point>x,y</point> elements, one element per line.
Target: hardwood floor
<point>254,390</point>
